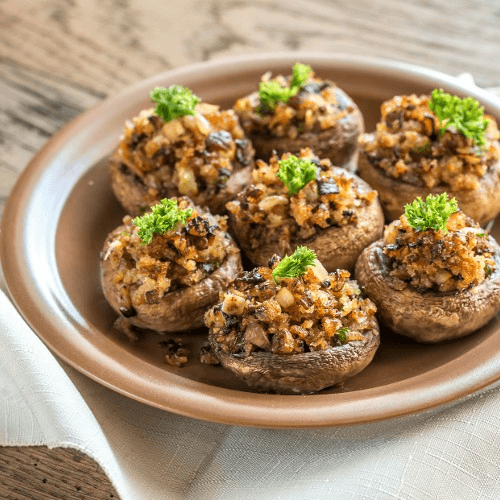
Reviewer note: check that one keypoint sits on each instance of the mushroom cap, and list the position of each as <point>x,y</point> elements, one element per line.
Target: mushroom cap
<point>134,195</point>
<point>336,247</point>
<point>482,204</point>
<point>427,316</point>
<point>338,143</point>
<point>302,373</point>
<point>180,310</point>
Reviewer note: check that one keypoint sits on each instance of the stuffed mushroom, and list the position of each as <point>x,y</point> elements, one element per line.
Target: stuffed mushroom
<point>304,200</point>
<point>431,145</point>
<point>292,327</point>
<point>290,113</point>
<point>182,147</point>
<point>163,270</point>
<point>433,278</point>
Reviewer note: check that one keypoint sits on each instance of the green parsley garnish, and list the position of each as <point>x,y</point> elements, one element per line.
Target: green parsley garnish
<point>466,115</point>
<point>342,334</point>
<point>163,217</point>
<point>300,75</point>
<point>295,173</point>
<point>174,102</point>
<point>295,265</point>
<point>271,93</point>
<point>432,213</point>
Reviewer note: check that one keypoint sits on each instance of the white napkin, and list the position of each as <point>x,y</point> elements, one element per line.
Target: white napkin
<point>151,454</point>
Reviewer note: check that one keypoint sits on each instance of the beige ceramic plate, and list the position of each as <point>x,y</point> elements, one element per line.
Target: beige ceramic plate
<point>62,208</point>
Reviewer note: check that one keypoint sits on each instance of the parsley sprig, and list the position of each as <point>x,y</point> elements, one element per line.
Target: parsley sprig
<point>174,102</point>
<point>433,213</point>
<point>295,265</point>
<point>271,93</point>
<point>466,115</point>
<point>163,217</point>
<point>295,173</point>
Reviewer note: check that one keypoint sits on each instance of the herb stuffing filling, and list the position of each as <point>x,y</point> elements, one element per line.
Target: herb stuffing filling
<point>329,198</point>
<point>180,257</point>
<point>454,258</point>
<point>295,315</point>
<point>293,105</point>
<point>194,154</point>
<point>415,145</point>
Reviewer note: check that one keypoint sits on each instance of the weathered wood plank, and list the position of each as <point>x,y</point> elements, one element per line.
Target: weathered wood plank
<point>33,106</point>
<point>37,473</point>
<point>105,45</point>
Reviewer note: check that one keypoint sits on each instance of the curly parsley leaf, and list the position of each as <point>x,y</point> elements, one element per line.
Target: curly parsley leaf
<point>465,115</point>
<point>173,102</point>
<point>300,75</point>
<point>433,213</point>
<point>295,173</point>
<point>272,92</point>
<point>163,217</point>
<point>295,265</point>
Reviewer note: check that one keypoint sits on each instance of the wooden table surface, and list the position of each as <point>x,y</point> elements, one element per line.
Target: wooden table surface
<point>59,57</point>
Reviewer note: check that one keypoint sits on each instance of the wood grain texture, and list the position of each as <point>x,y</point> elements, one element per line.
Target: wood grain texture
<point>36,473</point>
<point>60,57</point>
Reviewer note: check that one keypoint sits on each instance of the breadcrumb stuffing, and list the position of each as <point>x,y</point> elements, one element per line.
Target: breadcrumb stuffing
<point>193,155</point>
<point>179,258</point>
<point>407,146</point>
<point>435,260</point>
<point>265,207</point>
<point>318,106</point>
<point>311,313</point>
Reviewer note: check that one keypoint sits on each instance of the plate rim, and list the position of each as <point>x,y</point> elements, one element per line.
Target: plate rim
<point>215,403</point>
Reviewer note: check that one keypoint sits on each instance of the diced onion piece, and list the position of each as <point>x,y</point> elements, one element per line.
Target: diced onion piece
<point>114,244</point>
<point>256,335</point>
<point>285,298</point>
<point>233,305</point>
<point>187,182</point>
<point>173,130</point>
<point>272,201</point>
<point>317,273</point>
<point>442,277</point>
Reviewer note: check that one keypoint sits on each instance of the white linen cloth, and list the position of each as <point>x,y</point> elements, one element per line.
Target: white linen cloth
<point>152,454</point>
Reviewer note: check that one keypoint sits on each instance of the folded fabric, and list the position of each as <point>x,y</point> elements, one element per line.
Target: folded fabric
<point>453,453</point>
<point>151,454</point>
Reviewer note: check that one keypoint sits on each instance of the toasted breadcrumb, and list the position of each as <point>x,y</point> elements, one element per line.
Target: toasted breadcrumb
<point>407,146</point>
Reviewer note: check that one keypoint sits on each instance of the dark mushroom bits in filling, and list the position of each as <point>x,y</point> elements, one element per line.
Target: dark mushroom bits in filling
<point>183,147</point>
<point>174,246</point>
<point>296,196</point>
<point>436,246</point>
<point>290,314</point>
<point>289,106</point>
<point>294,306</point>
<point>433,140</point>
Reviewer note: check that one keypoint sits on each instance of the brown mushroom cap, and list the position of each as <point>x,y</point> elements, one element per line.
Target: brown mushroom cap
<point>338,143</point>
<point>179,310</point>
<point>302,373</point>
<point>427,316</point>
<point>482,204</point>
<point>337,247</point>
<point>134,195</point>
